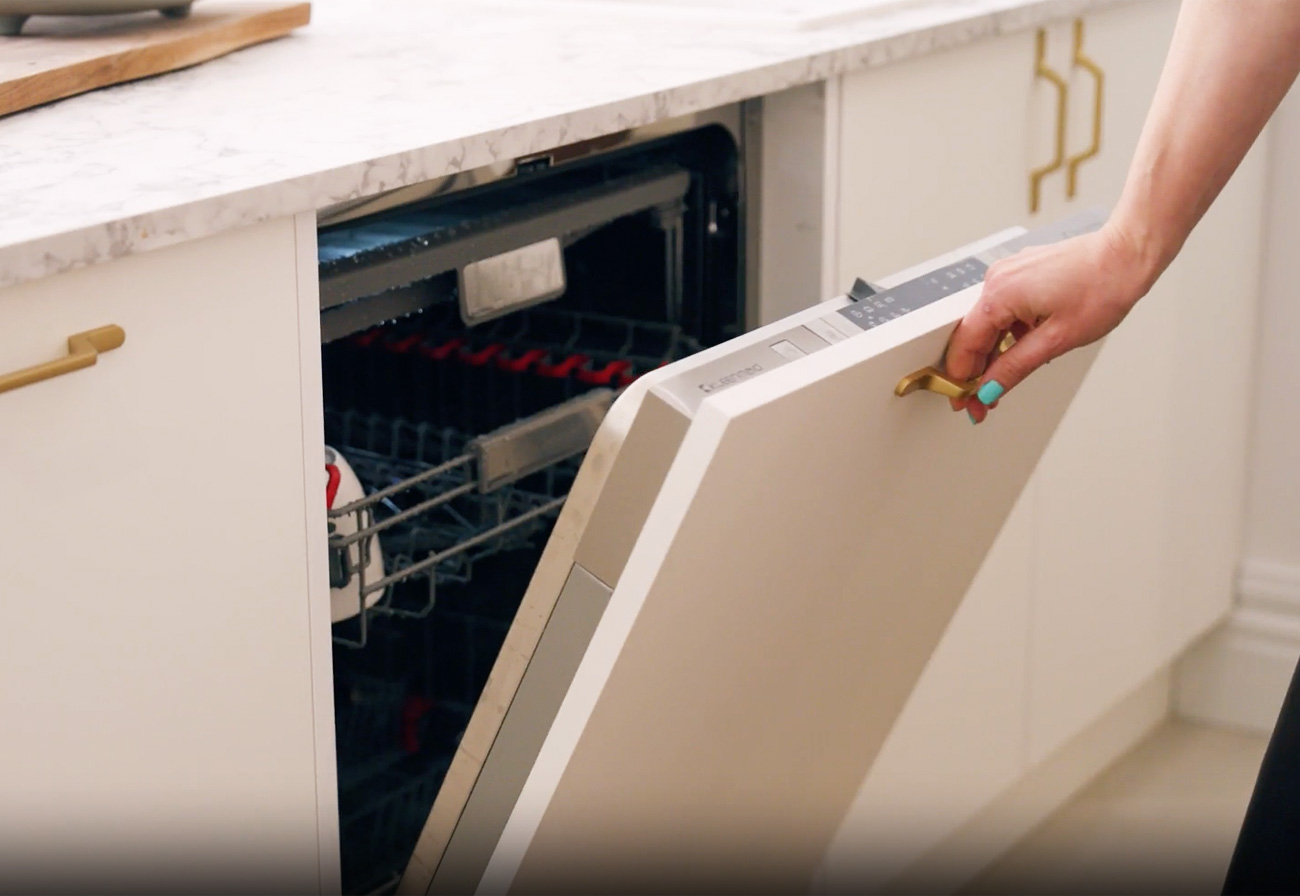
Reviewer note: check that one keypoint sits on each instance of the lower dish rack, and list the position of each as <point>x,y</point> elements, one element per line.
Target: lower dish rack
<point>387,780</point>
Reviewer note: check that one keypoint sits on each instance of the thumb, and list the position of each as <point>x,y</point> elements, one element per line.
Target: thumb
<point>1010,368</point>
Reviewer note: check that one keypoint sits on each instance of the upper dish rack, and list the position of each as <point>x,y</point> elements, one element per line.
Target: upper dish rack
<point>441,497</point>
<point>435,517</point>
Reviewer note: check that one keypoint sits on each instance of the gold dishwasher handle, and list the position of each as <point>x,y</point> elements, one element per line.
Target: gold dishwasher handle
<point>934,380</point>
<point>931,379</point>
<point>1084,62</point>
<point>1043,70</point>
<point>83,351</point>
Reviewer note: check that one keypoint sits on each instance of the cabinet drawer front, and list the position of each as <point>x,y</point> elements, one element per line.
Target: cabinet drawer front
<point>153,663</point>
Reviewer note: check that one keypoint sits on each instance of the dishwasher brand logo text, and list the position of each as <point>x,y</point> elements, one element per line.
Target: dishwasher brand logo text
<point>731,379</point>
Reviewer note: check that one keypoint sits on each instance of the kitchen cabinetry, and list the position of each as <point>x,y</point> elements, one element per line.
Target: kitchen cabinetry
<point>1142,488</point>
<point>1139,501</point>
<point>156,661</point>
<point>1102,510</point>
<point>906,193</point>
<point>1130,520</point>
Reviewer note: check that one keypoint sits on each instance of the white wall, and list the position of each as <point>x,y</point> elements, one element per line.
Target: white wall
<point>1239,674</point>
<point>1273,509</point>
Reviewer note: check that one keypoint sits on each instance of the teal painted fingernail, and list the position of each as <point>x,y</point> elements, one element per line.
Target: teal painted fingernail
<point>990,392</point>
<point>972,417</point>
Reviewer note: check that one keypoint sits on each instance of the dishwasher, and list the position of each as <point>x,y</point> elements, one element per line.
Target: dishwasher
<point>471,345</point>
<point>626,594</point>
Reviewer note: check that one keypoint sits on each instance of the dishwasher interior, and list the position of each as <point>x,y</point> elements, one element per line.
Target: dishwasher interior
<point>471,343</point>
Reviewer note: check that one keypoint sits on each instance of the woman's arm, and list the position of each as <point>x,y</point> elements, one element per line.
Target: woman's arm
<point>1229,65</point>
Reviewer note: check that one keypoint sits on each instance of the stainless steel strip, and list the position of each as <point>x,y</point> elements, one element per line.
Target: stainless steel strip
<point>537,442</point>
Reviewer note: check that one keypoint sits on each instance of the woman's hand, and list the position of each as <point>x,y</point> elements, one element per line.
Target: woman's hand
<point>1229,65</point>
<point>1052,299</point>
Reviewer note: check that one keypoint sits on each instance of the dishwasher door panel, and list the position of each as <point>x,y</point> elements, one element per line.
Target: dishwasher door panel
<point>800,539</point>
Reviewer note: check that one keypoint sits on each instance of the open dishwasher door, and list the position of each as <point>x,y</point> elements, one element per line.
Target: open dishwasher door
<point>762,551</point>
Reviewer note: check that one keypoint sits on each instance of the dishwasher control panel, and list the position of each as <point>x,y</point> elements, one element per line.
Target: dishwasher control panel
<point>865,308</point>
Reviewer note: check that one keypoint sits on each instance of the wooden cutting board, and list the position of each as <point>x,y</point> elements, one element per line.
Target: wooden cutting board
<point>60,56</point>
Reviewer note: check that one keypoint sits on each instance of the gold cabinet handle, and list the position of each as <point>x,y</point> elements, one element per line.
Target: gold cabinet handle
<point>1043,70</point>
<point>83,351</point>
<point>1082,61</point>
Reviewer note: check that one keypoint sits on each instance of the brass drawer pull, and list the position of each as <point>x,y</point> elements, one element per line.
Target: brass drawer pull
<point>1043,70</point>
<point>83,351</point>
<point>1083,61</point>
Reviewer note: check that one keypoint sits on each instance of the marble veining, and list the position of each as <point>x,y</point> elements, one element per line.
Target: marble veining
<point>378,94</point>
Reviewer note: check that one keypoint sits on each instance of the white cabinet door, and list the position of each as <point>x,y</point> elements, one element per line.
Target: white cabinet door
<point>1139,494</point>
<point>1102,510</point>
<point>808,536</point>
<point>1215,283</point>
<point>156,655</point>
<point>936,152</point>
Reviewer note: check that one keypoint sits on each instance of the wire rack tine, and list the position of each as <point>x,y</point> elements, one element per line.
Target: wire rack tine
<point>433,473</point>
<point>409,513</point>
<point>434,559</point>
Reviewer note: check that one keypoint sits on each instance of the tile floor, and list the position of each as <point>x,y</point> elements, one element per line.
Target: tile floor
<point>1162,820</point>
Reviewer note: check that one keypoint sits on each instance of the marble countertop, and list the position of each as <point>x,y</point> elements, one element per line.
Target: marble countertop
<point>378,94</point>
